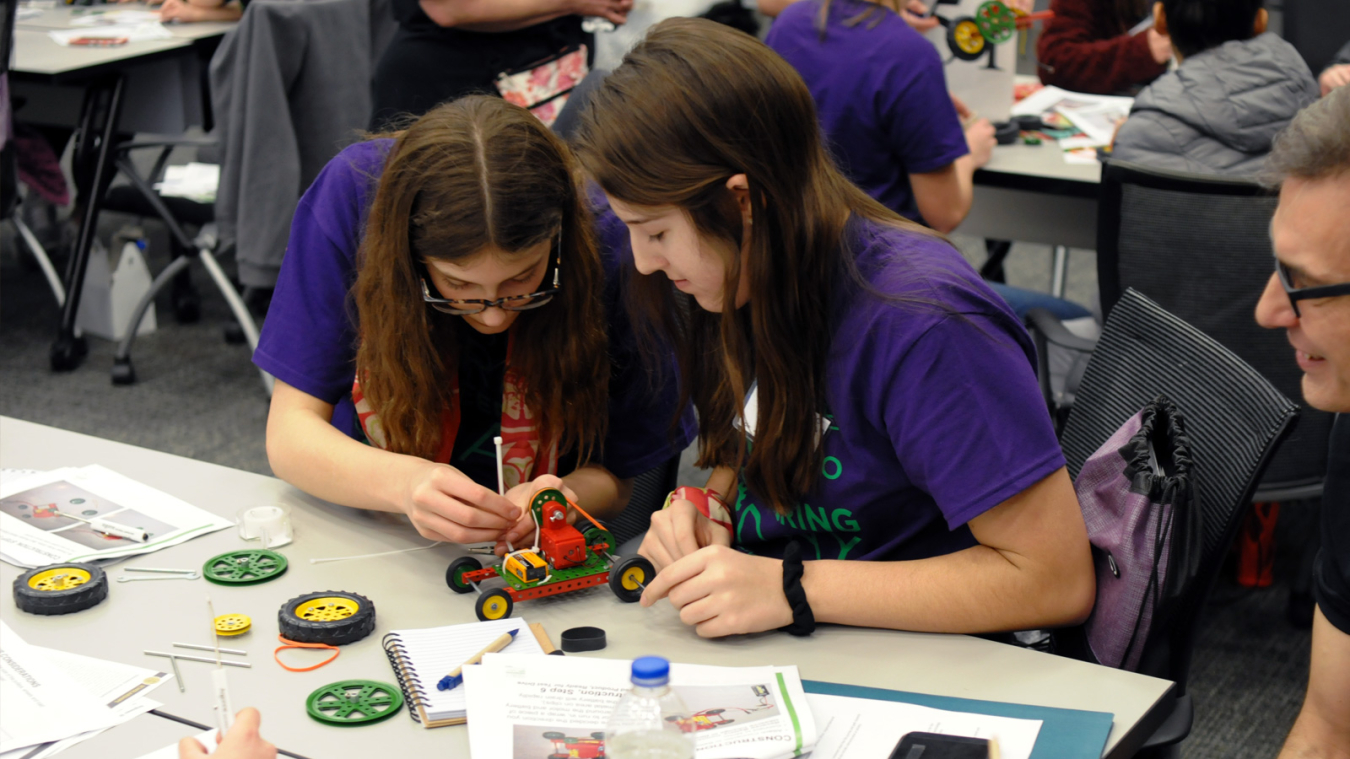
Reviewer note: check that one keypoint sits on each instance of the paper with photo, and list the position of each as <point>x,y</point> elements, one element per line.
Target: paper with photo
<point>525,707</point>
<point>864,728</point>
<point>132,32</point>
<point>41,702</point>
<point>33,534</point>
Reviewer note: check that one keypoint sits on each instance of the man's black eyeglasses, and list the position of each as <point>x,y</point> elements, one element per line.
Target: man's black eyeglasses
<point>468,306</point>
<point>1297,294</point>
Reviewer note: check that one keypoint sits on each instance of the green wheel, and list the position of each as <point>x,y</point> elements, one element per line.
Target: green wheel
<point>594,535</point>
<point>244,567</point>
<point>454,574</point>
<point>354,702</point>
<point>996,20</point>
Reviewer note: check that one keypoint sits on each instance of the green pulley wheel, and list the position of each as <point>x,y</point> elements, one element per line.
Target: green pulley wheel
<point>354,702</point>
<point>996,21</point>
<point>244,567</point>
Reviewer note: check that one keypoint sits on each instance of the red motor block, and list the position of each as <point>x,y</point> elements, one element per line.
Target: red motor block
<point>561,542</point>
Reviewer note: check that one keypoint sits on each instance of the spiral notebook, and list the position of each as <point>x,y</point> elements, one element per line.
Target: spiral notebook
<point>420,658</point>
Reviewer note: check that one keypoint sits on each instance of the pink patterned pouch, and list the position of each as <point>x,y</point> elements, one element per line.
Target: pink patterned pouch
<point>544,86</point>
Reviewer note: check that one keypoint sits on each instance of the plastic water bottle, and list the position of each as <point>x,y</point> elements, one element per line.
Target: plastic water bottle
<point>646,722</point>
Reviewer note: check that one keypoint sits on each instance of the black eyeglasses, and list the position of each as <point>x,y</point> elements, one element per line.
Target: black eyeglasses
<point>468,306</point>
<point>1297,294</point>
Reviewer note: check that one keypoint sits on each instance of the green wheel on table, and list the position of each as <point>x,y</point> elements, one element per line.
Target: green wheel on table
<point>354,702</point>
<point>245,567</point>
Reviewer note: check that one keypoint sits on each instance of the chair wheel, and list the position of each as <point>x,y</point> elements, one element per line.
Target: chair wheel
<point>123,373</point>
<point>234,334</point>
<point>67,353</point>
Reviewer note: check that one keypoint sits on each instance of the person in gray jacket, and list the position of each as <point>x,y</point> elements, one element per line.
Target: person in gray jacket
<point>1236,87</point>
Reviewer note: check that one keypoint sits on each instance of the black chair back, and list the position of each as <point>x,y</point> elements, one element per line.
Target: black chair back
<point>1200,247</point>
<point>649,494</point>
<point>1235,417</point>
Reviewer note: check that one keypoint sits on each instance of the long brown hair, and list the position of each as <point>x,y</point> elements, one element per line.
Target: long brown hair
<point>475,172</point>
<point>691,106</point>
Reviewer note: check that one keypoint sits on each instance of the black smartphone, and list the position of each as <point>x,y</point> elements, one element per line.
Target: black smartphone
<point>934,746</point>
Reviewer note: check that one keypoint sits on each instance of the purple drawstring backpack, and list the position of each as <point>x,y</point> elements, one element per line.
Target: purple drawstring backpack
<point>1145,528</point>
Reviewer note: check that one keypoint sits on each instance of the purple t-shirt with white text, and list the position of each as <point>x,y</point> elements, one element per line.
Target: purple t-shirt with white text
<point>934,410</point>
<point>309,338</point>
<point>880,95</point>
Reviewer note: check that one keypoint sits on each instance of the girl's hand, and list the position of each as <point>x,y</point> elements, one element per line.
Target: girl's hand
<point>242,742</point>
<point>445,505</point>
<point>721,591</point>
<point>616,11</point>
<point>679,531</point>
<point>915,13</point>
<point>523,530</point>
<point>1160,45</point>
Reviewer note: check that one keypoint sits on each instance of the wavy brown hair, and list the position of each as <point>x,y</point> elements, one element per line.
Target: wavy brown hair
<point>691,106</point>
<point>474,172</point>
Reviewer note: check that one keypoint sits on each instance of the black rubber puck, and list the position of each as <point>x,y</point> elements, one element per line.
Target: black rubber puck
<point>583,639</point>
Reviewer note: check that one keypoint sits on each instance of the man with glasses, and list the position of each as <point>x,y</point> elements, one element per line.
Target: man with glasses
<point>1308,296</point>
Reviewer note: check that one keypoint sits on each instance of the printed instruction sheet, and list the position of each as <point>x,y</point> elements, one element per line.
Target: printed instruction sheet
<point>864,728</point>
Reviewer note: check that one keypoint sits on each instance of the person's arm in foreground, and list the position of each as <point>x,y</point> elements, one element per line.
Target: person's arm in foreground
<point>944,196</point>
<point>1072,57</point>
<point>1033,568</point>
<point>1322,730</point>
<point>242,741</point>
<point>510,15</point>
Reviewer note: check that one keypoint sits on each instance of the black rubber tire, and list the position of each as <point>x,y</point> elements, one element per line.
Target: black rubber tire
<point>483,600</point>
<point>337,632</point>
<point>53,602</point>
<point>956,48</point>
<point>616,577</point>
<point>462,564</point>
<point>554,735</point>
<point>598,736</point>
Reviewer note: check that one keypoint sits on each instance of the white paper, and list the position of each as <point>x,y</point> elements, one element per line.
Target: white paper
<point>864,728</point>
<point>133,33</point>
<point>41,702</point>
<point>207,739</point>
<point>121,686</point>
<point>32,535</point>
<point>518,705</point>
<point>117,17</point>
<point>194,181</point>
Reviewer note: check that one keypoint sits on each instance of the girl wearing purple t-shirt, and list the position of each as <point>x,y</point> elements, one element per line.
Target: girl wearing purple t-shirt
<point>440,290</point>
<point>868,403</point>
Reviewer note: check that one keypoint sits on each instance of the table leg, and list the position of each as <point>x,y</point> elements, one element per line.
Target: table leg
<point>102,107</point>
<point>1059,267</point>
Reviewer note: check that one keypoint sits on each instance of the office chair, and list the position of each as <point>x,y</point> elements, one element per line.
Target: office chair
<point>649,494</point>
<point>1200,247</point>
<point>1236,419</point>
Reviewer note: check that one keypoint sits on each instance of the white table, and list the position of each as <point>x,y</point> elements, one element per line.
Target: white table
<point>409,591</point>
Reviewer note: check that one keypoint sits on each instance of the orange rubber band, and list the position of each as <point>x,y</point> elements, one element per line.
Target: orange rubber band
<point>296,644</point>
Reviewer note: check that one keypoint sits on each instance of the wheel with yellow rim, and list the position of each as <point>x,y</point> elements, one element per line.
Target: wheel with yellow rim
<point>333,617</point>
<point>494,604</point>
<point>964,39</point>
<point>630,577</point>
<point>60,589</point>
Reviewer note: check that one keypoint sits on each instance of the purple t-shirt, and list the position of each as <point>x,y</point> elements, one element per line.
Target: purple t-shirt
<point>934,409</point>
<point>309,338</point>
<point>880,95</point>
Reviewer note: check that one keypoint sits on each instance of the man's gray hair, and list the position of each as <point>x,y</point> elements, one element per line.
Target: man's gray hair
<point>1316,144</point>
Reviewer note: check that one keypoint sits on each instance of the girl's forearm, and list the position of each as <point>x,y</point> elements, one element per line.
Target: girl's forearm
<point>598,491</point>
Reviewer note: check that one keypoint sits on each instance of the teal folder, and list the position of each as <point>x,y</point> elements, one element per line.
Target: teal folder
<point>1065,733</point>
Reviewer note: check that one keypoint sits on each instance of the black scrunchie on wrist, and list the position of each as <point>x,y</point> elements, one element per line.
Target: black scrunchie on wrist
<point>803,621</point>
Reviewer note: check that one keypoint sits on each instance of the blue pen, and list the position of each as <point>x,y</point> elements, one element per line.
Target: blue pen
<point>455,678</point>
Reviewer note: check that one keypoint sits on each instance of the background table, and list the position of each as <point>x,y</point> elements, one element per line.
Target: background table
<point>409,591</point>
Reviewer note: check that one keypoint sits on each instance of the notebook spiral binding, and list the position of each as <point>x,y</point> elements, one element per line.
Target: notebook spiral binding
<point>414,693</point>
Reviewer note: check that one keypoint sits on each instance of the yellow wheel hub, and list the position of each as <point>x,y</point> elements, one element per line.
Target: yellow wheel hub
<point>968,37</point>
<point>327,609</point>
<point>634,578</point>
<point>494,609</point>
<point>60,578</point>
<point>233,624</point>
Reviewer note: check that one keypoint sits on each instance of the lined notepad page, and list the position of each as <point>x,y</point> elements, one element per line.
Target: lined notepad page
<point>434,651</point>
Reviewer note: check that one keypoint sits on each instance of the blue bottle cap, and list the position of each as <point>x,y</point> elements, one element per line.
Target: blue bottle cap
<point>650,671</point>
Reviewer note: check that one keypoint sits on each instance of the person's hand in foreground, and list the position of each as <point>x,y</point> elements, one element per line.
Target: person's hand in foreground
<point>915,13</point>
<point>243,741</point>
<point>677,532</point>
<point>1336,76</point>
<point>521,534</point>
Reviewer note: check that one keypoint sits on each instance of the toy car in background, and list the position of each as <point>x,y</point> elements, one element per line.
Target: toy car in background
<point>564,559</point>
<point>568,747</point>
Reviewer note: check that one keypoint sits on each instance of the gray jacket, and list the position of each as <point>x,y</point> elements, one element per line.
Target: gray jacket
<point>1220,110</point>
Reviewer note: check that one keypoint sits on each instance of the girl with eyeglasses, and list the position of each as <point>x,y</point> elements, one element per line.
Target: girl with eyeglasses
<point>444,287</point>
<point>882,453</point>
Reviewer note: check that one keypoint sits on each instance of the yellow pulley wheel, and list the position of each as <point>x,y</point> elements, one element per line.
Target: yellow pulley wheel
<point>233,624</point>
<point>60,588</point>
<point>333,617</point>
<point>61,578</point>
